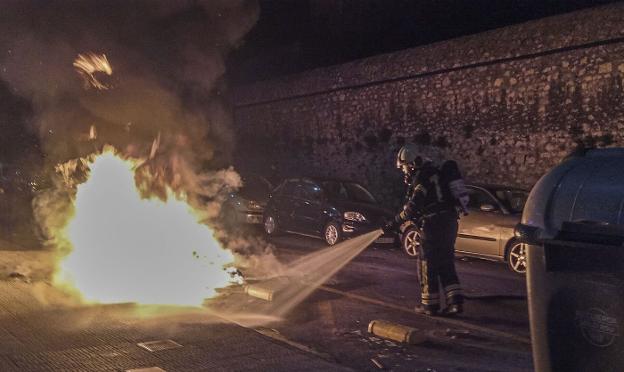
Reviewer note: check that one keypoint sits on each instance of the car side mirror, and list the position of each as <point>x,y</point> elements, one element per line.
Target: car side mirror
<point>487,208</point>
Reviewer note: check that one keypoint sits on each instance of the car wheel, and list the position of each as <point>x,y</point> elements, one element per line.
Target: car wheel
<point>516,257</point>
<point>410,241</point>
<point>270,225</point>
<point>332,233</point>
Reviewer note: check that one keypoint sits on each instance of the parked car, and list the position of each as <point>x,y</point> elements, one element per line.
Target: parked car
<point>330,209</point>
<point>246,205</point>
<point>487,231</point>
<point>18,188</point>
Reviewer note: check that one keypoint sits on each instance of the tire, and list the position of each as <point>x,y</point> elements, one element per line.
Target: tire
<point>410,242</point>
<point>270,225</point>
<point>516,257</point>
<point>332,234</point>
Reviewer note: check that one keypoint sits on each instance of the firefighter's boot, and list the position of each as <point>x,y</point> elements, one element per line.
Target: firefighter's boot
<point>425,310</point>
<point>453,310</point>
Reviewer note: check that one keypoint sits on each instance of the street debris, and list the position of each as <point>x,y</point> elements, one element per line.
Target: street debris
<point>377,363</point>
<point>457,333</point>
<point>460,336</point>
<point>17,276</point>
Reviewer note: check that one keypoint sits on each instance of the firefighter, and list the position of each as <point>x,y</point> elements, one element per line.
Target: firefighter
<point>431,206</point>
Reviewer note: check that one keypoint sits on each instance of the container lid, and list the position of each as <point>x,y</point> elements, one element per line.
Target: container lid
<point>582,188</point>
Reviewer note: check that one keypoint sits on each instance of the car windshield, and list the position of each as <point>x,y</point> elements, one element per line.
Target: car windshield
<point>513,200</point>
<point>255,188</point>
<point>350,191</point>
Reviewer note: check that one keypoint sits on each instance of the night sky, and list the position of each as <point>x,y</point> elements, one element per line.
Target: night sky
<point>295,35</point>
<point>180,46</point>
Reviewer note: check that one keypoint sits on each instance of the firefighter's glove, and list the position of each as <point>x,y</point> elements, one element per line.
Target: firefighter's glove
<point>389,226</point>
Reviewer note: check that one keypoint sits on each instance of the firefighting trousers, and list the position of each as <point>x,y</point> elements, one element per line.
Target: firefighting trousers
<point>437,261</point>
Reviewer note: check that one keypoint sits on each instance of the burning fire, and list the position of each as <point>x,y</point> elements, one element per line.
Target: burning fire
<point>129,249</point>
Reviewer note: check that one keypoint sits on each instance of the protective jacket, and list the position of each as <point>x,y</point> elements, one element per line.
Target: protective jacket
<point>425,196</point>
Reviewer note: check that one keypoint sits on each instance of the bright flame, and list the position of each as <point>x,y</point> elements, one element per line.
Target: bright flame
<point>92,133</point>
<point>88,64</point>
<point>128,249</point>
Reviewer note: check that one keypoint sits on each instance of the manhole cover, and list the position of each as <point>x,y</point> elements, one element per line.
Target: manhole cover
<point>159,345</point>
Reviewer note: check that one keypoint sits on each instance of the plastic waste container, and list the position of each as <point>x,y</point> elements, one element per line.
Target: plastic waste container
<point>573,225</point>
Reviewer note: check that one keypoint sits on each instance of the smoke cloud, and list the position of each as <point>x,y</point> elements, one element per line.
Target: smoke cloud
<point>156,92</point>
<point>167,59</point>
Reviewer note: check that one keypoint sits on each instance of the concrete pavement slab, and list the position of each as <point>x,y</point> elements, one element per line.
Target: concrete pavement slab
<point>39,336</point>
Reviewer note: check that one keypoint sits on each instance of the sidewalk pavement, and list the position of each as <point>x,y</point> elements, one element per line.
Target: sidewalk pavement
<point>40,333</point>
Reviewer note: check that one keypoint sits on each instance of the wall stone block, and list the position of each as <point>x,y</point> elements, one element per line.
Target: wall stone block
<point>504,121</point>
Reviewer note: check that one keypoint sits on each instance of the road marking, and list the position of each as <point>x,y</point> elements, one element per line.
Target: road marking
<point>461,269</point>
<point>434,334</point>
<point>454,322</point>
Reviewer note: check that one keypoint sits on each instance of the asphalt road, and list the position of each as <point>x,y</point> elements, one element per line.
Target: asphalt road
<point>381,283</point>
<point>40,330</point>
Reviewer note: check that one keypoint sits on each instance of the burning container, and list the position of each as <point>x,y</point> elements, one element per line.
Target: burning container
<point>573,225</point>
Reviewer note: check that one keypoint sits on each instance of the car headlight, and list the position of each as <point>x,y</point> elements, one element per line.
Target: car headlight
<point>354,216</point>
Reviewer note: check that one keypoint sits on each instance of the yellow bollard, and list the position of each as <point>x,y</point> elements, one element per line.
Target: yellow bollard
<point>269,289</point>
<point>260,292</point>
<point>396,332</point>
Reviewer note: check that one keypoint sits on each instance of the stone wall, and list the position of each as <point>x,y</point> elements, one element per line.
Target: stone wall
<point>506,104</point>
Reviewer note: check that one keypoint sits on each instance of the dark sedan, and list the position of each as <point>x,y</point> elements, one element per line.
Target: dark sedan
<point>330,209</point>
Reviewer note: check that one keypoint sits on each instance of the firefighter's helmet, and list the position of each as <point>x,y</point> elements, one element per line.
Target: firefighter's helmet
<point>409,156</point>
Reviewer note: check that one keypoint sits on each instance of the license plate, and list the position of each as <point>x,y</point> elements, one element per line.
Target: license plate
<point>254,219</point>
<point>384,240</point>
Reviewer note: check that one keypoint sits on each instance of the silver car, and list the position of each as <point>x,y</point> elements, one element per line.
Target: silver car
<point>487,230</point>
